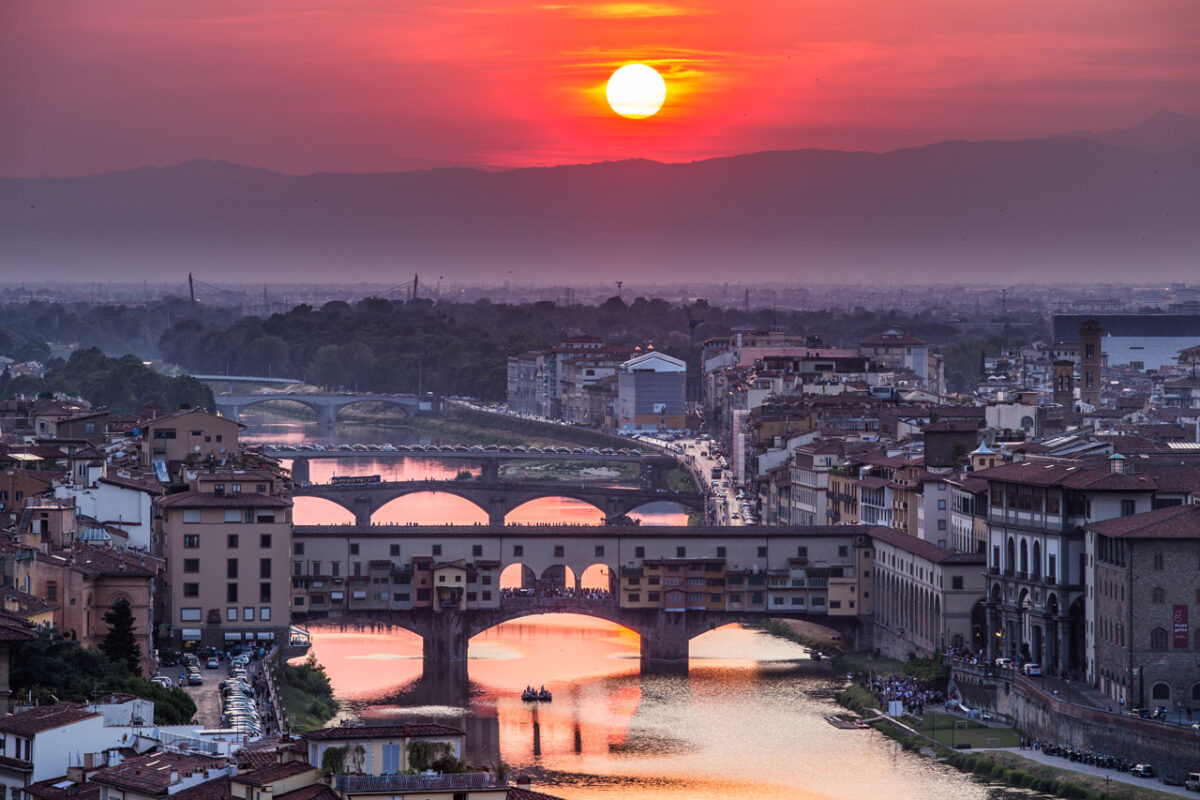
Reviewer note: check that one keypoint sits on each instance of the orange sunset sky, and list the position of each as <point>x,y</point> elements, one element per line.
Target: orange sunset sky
<point>368,85</point>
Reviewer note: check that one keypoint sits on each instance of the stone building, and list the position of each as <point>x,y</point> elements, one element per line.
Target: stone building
<point>1144,640</point>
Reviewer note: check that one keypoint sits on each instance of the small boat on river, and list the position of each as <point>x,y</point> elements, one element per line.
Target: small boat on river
<point>531,695</point>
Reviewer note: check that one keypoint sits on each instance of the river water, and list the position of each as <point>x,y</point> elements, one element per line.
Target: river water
<point>747,721</point>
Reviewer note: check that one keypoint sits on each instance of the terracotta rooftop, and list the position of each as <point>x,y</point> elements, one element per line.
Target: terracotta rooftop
<point>62,789</point>
<point>317,791</point>
<point>44,718</point>
<point>207,500</point>
<point>516,793</point>
<point>1174,522</point>
<point>274,772</point>
<point>923,549</point>
<point>217,789</point>
<point>151,773</point>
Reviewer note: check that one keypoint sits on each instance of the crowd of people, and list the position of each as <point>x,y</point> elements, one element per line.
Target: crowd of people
<point>914,693</point>
<point>966,654</point>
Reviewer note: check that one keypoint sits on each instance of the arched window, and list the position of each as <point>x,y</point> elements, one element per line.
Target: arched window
<point>1037,560</point>
<point>1158,639</point>
<point>1158,561</point>
<point>1196,692</point>
<point>1161,691</point>
<point>1024,557</point>
<point>1158,595</point>
<point>1011,554</point>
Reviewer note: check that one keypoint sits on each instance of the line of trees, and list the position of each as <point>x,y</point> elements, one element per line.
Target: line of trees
<point>461,348</point>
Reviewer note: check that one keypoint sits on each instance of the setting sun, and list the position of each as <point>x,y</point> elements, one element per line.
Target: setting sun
<point>636,91</point>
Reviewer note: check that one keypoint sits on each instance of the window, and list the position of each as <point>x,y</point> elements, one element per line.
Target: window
<point>264,593</point>
<point>680,552</point>
<point>394,550</point>
<point>1161,691</point>
<point>264,568</point>
<point>231,568</point>
<point>639,552</point>
<point>191,565</point>
<point>191,590</point>
<point>599,551</point>
<point>843,551</point>
<point>1158,561</point>
<point>941,525</point>
<point>264,613</point>
<point>231,596</point>
<point>298,601</point>
<point>233,515</point>
<point>801,552</point>
<point>191,515</point>
<point>297,567</point>
<point>518,550</point>
<point>248,515</point>
<point>437,549</point>
<point>52,591</point>
<point>1158,639</point>
<point>1128,508</point>
<point>248,613</point>
<point>297,548</point>
<point>354,549</point>
<point>956,582</point>
<point>335,568</point>
<point>720,552</point>
<point>558,551</point>
<point>231,540</point>
<point>635,597</point>
<point>236,488</point>
<point>231,614</point>
<point>1158,595</point>
<point>189,615</point>
<point>264,540</point>
<point>264,516</point>
<point>261,488</point>
<point>391,759</point>
<point>941,505</point>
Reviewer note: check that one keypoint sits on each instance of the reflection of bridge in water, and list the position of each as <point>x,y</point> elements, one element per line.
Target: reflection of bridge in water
<point>497,498</point>
<point>705,577</point>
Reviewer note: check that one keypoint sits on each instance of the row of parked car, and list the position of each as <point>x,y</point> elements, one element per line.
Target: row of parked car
<point>238,707</point>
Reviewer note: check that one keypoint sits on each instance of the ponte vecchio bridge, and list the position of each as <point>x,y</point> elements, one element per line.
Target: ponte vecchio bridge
<point>668,584</point>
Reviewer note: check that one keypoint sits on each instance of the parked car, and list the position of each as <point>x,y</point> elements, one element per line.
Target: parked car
<point>163,681</point>
<point>212,663</point>
<point>1142,771</point>
<point>1004,663</point>
<point>1192,783</point>
<point>1032,669</point>
<point>195,679</point>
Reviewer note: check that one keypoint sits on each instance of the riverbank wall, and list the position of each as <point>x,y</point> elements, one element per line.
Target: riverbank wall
<point>536,428</point>
<point>1038,714</point>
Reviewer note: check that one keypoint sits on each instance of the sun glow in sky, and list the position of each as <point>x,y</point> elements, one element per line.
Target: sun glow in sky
<point>373,85</point>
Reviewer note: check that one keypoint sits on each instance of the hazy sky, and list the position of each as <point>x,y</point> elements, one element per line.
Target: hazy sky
<point>369,85</point>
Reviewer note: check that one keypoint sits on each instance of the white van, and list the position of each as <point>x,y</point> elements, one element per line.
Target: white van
<point>1192,784</point>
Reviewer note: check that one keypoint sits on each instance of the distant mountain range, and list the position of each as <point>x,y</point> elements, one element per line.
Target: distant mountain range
<point>1112,205</point>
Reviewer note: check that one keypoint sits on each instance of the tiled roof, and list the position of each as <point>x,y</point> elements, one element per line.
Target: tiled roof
<point>408,729</point>
<point>14,628</point>
<point>1174,522</point>
<point>207,500</point>
<point>44,718</point>
<point>249,760</point>
<point>152,487</point>
<point>151,773</point>
<point>217,789</point>
<point>317,791</point>
<point>274,772</point>
<point>923,549</point>
<point>94,561</point>
<point>62,789</point>
<point>18,764</point>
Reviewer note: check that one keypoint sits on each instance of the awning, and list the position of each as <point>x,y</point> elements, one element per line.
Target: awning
<point>233,636</point>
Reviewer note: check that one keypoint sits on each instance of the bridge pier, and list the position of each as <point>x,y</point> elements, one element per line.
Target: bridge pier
<point>300,470</point>
<point>665,644</point>
<point>445,644</point>
<point>327,417</point>
<point>497,509</point>
<point>363,509</point>
<point>490,470</point>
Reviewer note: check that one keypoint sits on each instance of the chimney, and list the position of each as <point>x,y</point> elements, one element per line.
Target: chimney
<point>524,782</point>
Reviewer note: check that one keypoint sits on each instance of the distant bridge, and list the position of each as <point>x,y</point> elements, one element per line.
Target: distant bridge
<point>231,379</point>
<point>497,498</point>
<point>326,406</point>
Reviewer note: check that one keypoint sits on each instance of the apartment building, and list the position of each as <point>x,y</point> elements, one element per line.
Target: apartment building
<point>228,542</point>
<point>188,435</point>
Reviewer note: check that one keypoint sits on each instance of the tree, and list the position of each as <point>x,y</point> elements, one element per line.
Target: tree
<point>119,643</point>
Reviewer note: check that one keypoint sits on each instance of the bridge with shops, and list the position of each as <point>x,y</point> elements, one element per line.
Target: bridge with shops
<point>553,553</point>
<point>497,498</point>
